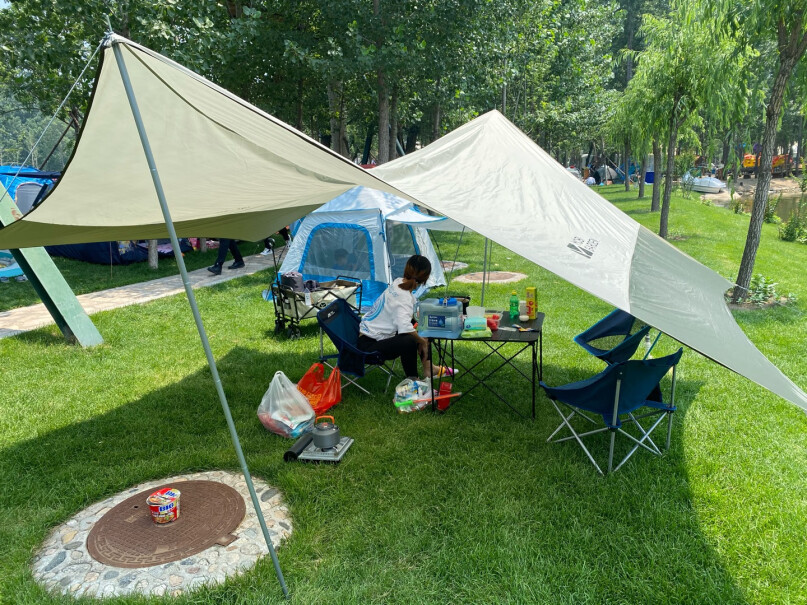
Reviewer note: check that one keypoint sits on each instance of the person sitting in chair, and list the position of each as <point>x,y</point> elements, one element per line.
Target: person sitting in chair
<point>388,327</point>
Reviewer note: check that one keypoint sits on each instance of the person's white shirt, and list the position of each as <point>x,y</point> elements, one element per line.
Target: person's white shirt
<point>391,314</point>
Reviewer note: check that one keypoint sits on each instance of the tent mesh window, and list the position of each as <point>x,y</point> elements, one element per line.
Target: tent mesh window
<point>334,250</point>
<point>401,245</point>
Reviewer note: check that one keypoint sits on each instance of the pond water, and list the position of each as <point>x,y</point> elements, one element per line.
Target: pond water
<point>784,208</point>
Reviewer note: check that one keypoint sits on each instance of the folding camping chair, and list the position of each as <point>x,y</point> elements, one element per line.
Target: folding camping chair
<point>620,389</point>
<point>340,322</point>
<point>614,338</point>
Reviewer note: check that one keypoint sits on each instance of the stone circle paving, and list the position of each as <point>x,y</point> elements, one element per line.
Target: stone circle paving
<point>64,564</point>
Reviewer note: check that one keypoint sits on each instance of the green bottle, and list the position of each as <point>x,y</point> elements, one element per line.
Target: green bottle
<point>514,304</point>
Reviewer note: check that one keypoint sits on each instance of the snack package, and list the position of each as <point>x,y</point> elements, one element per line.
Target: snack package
<point>409,392</point>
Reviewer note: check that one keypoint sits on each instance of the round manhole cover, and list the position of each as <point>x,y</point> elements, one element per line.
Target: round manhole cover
<point>453,265</point>
<point>501,277</point>
<point>127,537</point>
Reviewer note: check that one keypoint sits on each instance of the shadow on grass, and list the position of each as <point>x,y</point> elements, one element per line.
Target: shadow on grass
<point>472,503</point>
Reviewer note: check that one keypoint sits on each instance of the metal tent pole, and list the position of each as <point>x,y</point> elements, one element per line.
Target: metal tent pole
<point>192,300</point>
<point>484,272</point>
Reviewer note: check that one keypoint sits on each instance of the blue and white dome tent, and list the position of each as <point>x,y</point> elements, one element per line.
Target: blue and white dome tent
<point>368,235</point>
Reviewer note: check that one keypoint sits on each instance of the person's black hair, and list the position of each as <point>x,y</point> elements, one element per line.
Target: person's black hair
<point>417,271</point>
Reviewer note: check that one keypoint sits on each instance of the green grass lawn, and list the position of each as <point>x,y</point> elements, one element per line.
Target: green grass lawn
<point>472,506</point>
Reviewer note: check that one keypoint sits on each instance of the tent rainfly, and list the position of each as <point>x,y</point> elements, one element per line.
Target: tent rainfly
<point>227,169</point>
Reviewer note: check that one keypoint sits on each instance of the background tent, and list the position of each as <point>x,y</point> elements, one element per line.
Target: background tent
<point>379,232</point>
<point>12,177</point>
<point>122,252</point>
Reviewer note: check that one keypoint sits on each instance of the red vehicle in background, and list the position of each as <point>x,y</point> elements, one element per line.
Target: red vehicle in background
<point>779,167</point>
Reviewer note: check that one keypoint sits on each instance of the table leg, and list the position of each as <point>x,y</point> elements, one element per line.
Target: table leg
<point>541,361</point>
<point>434,403</point>
<point>532,373</point>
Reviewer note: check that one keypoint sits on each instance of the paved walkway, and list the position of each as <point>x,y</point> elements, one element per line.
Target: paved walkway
<point>24,319</point>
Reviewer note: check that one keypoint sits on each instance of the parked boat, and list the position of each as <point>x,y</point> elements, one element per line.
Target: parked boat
<point>703,184</point>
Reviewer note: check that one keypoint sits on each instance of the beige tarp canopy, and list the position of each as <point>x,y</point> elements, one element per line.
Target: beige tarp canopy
<point>230,170</point>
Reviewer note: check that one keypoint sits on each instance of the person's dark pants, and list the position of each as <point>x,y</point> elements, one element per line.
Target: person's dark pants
<point>284,233</point>
<point>404,346</point>
<point>224,246</point>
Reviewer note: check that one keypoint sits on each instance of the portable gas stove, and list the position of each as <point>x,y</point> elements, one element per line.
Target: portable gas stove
<point>312,453</point>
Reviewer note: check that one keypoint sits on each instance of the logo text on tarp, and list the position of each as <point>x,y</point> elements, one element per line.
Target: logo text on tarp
<point>584,247</point>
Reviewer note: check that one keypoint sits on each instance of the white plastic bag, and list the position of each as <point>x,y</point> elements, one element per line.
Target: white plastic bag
<point>409,391</point>
<point>285,410</point>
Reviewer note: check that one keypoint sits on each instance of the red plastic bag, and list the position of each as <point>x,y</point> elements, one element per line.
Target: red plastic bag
<point>322,393</point>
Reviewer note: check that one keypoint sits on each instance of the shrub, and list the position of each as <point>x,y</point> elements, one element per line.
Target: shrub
<point>793,229</point>
<point>770,211</point>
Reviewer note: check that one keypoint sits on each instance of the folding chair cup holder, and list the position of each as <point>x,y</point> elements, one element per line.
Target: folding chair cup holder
<point>340,322</point>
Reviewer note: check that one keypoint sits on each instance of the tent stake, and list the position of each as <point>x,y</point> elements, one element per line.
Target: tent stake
<point>192,300</point>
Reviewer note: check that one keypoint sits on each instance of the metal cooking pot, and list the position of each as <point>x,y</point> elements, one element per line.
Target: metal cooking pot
<point>326,434</point>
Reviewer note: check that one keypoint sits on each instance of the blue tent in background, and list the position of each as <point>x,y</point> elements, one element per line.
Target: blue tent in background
<point>10,180</point>
<point>104,253</point>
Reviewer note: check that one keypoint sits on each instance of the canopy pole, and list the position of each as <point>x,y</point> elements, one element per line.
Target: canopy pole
<point>648,345</point>
<point>484,272</point>
<point>192,300</point>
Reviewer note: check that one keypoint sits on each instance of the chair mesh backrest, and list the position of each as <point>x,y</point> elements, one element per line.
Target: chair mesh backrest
<point>341,323</point>
<point>640,377</point>
<point>614,338</point>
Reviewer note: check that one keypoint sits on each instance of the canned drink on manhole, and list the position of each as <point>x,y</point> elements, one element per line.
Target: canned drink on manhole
<point>164,505</point>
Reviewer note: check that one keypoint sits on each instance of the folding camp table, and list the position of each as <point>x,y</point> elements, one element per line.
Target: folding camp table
<point>530,340</point>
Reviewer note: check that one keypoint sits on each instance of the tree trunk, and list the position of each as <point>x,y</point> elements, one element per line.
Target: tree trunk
<point>627,168</point>
<point>393,125</point>
<point>800,149</point>
<point>735,170</point>
<point>383,94</point>
<point>772,114</point>
<point>724,157</point>
<point>333,91</point>
<point>655,204</point>
<point>299,125</point>
<point>383,118</point>
<point>629,45</point>
<point>668,176</point>
<point>202,244</point>
<point>436,119</point>
<point>153,258</point>
<point>336,109</point>
<point>368,143</point>
<point>642,171</point>
<point>411,138</point>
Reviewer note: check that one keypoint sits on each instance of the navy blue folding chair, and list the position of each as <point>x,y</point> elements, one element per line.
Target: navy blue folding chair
<point>614,338</point>
<point>615,394</point>
<point>340,322</point>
